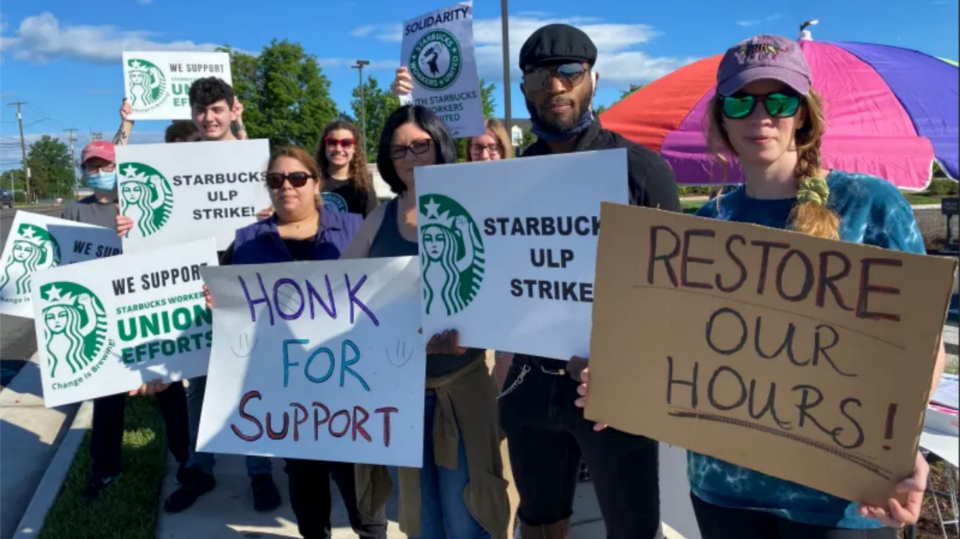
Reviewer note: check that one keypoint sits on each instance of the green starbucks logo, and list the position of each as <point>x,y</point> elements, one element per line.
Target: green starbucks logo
<point>436,60</point>
<point>33,249</point>
<point>148,85</point>
<point>451,254</point>
<point>74,328</point>
<point>334,202</point>
<point>146,197</point>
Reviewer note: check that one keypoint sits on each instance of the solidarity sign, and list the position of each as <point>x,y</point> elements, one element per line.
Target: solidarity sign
<point>157,84</point>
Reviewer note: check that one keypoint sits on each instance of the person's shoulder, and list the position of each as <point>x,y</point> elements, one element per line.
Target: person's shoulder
<point>856,188</point>
<point>348,221</point>
<point>72,211</point>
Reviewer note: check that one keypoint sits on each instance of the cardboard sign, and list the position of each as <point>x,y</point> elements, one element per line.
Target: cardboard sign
<point>105,327</point>
<point>184,192</point>
<point>438,50</point>
<point>806,359</point>
<point>508,249</point>
<point>317,360</point>
<point>37,242</point>
<point>157,84</point>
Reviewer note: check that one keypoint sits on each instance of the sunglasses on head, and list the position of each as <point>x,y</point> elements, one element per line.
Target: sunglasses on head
<point>538,79</point>
<point>345,143</point>
<point>777,104</point>
<point>297,179</point>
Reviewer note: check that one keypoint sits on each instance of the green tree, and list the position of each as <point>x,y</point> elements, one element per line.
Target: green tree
<point>486,94</point>
<point>623,95</point>
<point>51,168</point>
<point>285,96</point>
<point>379,103</point>
<point>528,140</point>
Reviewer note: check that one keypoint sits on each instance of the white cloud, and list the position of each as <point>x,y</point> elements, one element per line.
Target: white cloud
<point>755,22</point>
<point>41,37</point>
<point>363,31</point>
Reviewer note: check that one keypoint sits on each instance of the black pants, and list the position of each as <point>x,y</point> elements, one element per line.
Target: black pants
<point>547,435</point>
<point>310,498</point>
<point>722,523</point>
<point>107,437</point>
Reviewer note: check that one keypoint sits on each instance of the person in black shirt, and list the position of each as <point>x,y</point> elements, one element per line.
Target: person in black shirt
<point>547,434</point>
<point>347,182</point>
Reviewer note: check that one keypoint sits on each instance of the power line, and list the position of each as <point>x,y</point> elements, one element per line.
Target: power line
<point>73,157</point>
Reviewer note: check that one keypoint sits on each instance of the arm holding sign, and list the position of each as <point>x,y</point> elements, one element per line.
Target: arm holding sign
<point>360,245</point>
<point>403,83</point>
<point>126,124</point>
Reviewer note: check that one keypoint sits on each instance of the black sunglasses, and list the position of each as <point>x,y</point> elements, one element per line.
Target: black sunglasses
<point>538,79</point>
<point>418,147</point>
<point>777,104</point>
<point>297,179</point>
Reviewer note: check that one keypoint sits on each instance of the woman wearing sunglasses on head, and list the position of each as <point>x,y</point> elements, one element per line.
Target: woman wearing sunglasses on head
<point>347,182</point>
<point>300,229</point>
<point>767,114</point>
<point>462,493</point>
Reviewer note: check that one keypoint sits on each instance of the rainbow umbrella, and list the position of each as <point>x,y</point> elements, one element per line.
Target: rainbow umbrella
<point>890,112</point>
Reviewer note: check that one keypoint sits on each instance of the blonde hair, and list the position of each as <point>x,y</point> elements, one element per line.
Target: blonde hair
<point>499,133</point>
<point>810,218</point>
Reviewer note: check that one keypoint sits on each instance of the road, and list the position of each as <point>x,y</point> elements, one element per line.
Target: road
<point>17,340</point>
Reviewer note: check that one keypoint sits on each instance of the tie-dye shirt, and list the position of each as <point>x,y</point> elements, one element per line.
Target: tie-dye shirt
<point>872,212</point>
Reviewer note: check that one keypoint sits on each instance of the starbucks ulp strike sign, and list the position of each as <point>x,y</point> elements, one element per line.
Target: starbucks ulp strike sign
<point>37,242</point>
<point>157,84</point>
<point>184,192</point>
<point>438,51</point>
<point>507,249</point>
<point>104,327</point>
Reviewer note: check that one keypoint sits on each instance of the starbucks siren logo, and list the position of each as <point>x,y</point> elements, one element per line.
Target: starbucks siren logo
<point>451,254</point>
<point>33,249</point>
<point>334,202</point>
<point>436,60</point>
<point>148,85</point>
<point>146,197</point>
<point>74,328</point>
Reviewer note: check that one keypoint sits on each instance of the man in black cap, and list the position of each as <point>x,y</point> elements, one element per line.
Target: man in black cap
<point>547,434</point>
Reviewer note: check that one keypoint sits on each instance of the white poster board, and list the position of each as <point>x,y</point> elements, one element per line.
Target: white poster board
<point>317,360</point>
<point>157,84</point>
<point>108,326</point>
<point>438,51</point>
<point>192,190</point>
<point>37,242</point>
<point>508,249</point>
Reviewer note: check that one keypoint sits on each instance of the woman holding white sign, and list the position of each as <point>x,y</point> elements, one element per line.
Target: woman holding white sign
<point>462,490</point>
<point>767,114</point>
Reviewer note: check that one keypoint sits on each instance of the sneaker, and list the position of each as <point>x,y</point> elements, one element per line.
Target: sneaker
<point>266,497</point>
<point>182,474</point>
<point>96,486</point>
<point>193,484</point>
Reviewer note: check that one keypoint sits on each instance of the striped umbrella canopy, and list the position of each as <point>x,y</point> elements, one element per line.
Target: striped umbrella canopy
<point>890,112</point>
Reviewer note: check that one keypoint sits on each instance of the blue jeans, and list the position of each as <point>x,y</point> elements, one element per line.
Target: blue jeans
<point>443,512</point>
<point>205,461</point>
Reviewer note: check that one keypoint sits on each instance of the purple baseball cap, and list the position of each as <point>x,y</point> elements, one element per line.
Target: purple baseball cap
<point>764,57</point>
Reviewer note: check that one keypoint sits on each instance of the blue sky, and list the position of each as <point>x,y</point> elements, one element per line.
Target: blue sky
<point>63,56</point>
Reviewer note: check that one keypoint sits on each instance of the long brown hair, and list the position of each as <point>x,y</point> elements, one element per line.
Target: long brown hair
<point>360,175</point>
<point>305,159</point>
<point>809,217</point>
<point>499,133</point>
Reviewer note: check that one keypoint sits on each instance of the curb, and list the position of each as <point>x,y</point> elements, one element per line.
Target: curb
<point>49,487</point>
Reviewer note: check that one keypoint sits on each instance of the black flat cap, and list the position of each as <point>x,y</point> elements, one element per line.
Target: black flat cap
<point>558,42</point>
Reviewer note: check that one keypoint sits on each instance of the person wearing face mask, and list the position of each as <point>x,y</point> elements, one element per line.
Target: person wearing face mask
<point>98,162</point>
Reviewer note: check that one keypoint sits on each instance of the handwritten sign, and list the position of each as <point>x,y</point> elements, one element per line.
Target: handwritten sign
<point>438,50</point>
<point>105,327</point>
<point>157,84</point>
<point>317,360</point>
<point>804,358</point>
<point>37,242</point>
<point>508,249</point>
<point>189,191</point>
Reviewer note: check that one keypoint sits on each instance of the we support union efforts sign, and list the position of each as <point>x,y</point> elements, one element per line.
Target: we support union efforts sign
<point>438,51</point>
<point>157,84</point>
<point>188,191</point>
<point>105,327</point>
<point>803,358</point>
<point>507,249</point>
<point>37,242</point>
<point>317,360</point>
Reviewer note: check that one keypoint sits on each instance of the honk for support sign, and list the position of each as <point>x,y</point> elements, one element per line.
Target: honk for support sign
<point>803,358</point>
<point>317,360</point>
<point>104,327</point>
<point>188,191</point>
<point>157,84</point>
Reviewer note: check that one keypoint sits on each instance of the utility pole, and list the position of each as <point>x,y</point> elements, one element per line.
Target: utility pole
<point>363,103</point>
<point>73,159</point>
<point>23,150</point>
<point>505,30</point>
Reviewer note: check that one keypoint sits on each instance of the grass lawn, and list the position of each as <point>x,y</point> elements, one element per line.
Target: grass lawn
<point>128,509</point>
<point>920,199</point>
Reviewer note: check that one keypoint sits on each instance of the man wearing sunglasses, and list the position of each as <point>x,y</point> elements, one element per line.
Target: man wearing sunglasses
<point>546,433</point>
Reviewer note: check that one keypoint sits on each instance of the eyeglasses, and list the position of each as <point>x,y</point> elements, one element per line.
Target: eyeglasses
<point>539,78</point>
<point>477,149</point>
<point>93,169</point>
<point>418,147</point>
<point>777,105</point>
<point>345,143</point>
<point>297,179</point>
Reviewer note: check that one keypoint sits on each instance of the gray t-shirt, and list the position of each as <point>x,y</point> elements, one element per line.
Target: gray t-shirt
<point>88,210</point>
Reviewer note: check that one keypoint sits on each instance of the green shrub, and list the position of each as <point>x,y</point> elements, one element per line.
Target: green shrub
<point>942,186</point>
